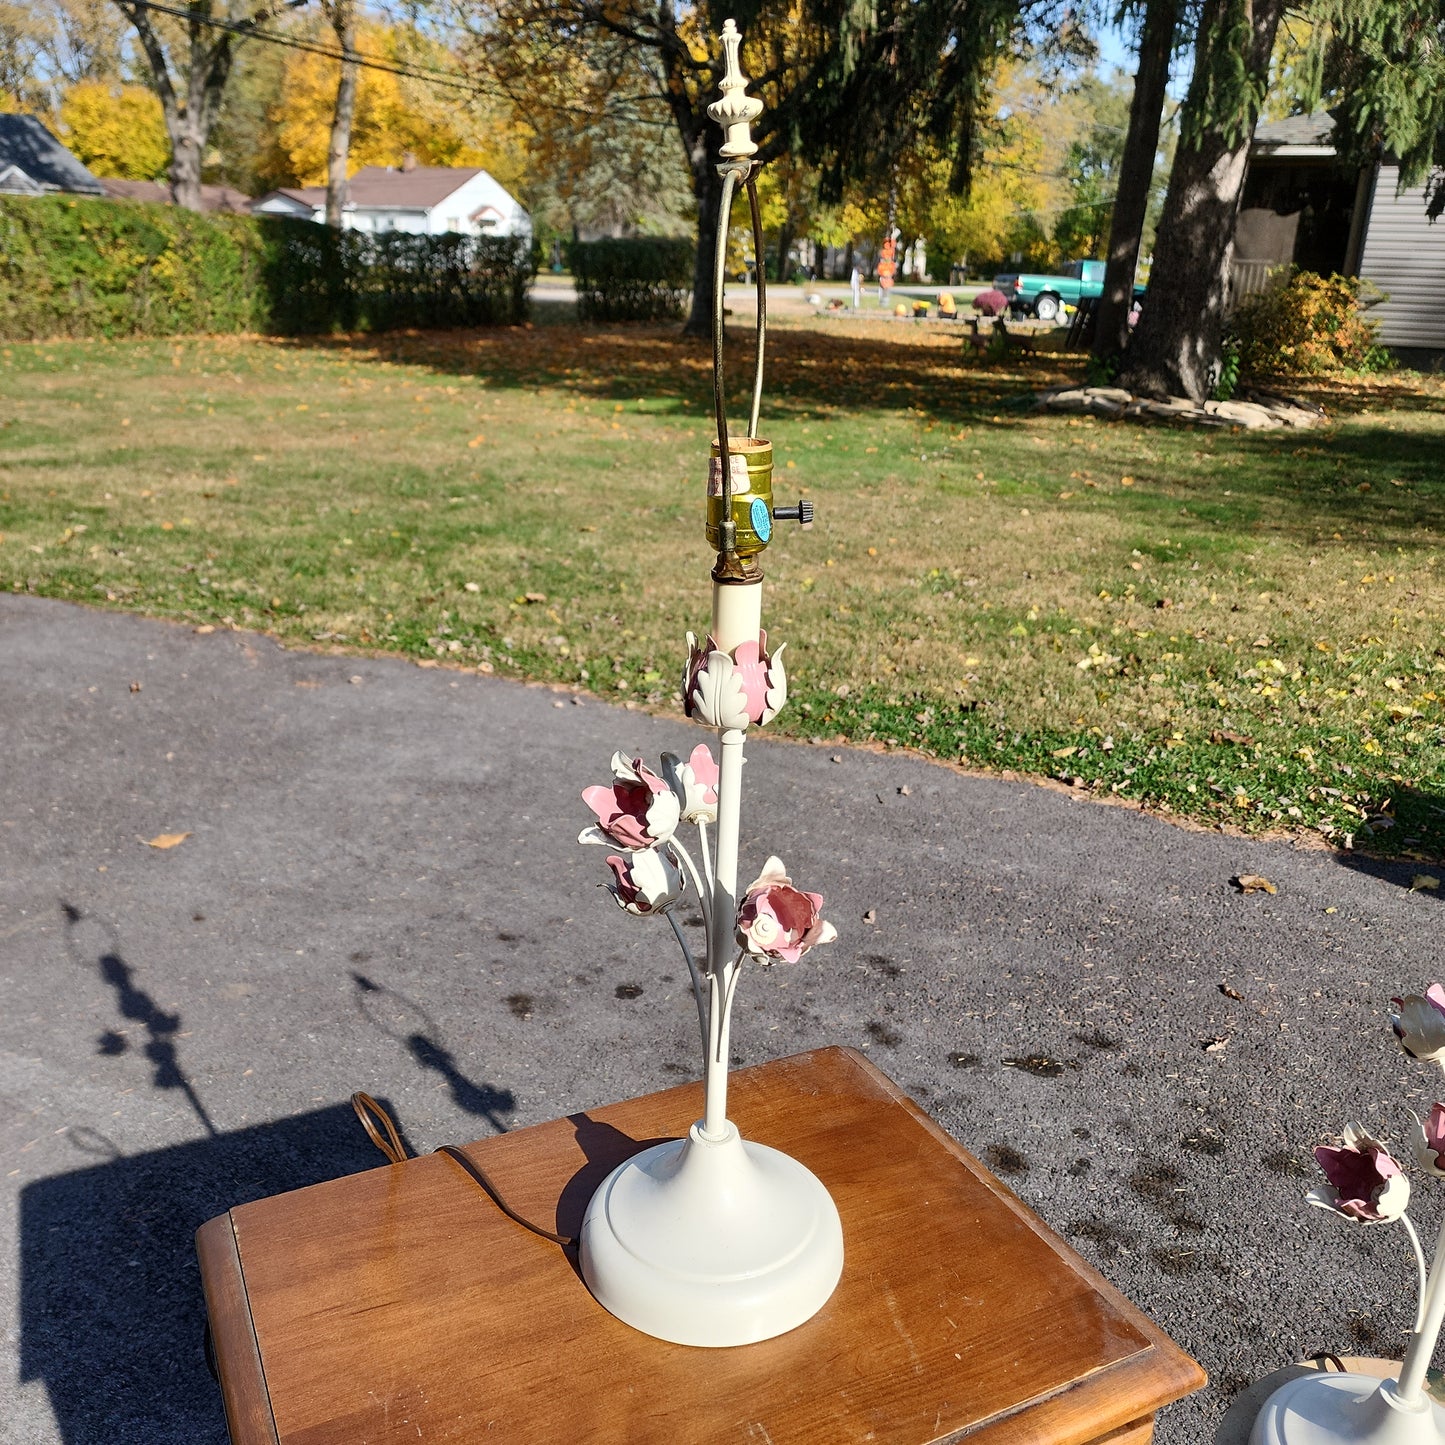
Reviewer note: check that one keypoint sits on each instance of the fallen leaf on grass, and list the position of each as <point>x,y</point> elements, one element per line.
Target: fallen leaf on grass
<point>1238,739</point>
<point>1253,883</point>
<point>165,840</point>
<point>1423,882</point>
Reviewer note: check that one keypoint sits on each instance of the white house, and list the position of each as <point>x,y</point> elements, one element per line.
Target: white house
<point>424,200</point>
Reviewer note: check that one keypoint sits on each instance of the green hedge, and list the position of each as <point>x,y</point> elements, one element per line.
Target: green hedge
<point>96,268</point>
<point>643,279</point>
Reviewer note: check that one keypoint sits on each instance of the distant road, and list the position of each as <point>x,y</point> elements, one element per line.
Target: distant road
<point>550,288</point>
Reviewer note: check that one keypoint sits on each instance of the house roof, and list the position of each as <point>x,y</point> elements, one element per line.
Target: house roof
<point>419,189</point>
<point>213,198</point>
<point>310,196</point>
<point>1296,135</point>
<point>27,146</point>
<point>385,188</point>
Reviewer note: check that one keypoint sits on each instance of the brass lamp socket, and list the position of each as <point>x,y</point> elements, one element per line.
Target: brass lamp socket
<point>752,509</point>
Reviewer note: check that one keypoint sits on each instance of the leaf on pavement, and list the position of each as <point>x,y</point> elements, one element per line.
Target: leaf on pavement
<point>1423,881</point>
<point>166,840</point>
<point>1253,883</point>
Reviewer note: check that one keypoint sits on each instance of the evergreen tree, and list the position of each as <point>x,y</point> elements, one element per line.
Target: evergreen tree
<point>844,86</point>
<point>1380,67</point>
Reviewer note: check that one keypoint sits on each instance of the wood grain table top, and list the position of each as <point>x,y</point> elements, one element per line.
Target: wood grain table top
<point>401,1305</point>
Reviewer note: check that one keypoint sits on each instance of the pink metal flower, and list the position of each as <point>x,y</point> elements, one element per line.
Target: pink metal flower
<point>730,691</point>
<point>645,882</point>
<point>1429,1141</point>
<point>762,677</point>
<point>778,921</point>
<point>636,811</point>
<point>695,783</point>
<point>1419,1023</point>
<point>1364,1182</point>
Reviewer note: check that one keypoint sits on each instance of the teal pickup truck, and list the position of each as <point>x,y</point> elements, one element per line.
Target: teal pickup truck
<point>1046,296</point>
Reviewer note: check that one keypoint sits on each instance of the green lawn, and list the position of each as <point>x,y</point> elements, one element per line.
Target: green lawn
<point>1244,628</point>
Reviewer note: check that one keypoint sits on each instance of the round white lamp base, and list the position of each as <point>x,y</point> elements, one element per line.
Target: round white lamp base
<point>1335,1409</point>
<point>712,1241</point>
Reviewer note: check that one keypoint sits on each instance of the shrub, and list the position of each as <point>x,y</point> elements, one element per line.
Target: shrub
<point>438,281</point>
<point>88,268</point>
<point>81,267</point>
<point>646,278</point>
<point>1311,324</point>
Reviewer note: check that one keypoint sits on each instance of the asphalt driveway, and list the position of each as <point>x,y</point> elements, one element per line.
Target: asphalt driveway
<point>380,888</point>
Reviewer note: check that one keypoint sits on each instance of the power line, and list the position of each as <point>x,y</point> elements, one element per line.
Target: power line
<point>428,74</point>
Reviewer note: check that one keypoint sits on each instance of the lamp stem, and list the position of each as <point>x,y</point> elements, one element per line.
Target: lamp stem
<point>721,946</point>
<point>1425,1338</point>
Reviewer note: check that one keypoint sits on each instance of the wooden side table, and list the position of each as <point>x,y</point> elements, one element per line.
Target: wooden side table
<point>401,1305</point>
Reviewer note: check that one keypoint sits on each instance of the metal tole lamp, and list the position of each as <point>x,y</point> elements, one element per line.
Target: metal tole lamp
<point>712,1240</point>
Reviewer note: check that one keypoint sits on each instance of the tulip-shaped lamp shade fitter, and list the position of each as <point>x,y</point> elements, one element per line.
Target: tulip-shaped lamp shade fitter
<point>710,1240</point>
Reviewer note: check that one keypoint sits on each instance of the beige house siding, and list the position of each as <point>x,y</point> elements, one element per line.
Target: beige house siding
<point>1405,256</point>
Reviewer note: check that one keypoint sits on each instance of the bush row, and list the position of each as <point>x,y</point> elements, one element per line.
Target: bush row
<point>644,278</point>
<point>84,267</point>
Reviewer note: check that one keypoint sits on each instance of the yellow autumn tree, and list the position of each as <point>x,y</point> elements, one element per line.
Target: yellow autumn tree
<point>395,116</point>
<point>116,130</point>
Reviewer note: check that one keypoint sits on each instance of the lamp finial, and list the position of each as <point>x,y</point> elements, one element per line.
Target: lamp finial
<point>737,110</point>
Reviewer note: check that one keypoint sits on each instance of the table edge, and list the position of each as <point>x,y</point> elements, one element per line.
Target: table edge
<point>247,1401</point>
<point>1181,1369</point>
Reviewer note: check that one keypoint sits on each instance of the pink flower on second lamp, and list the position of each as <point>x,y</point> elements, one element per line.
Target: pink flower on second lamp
<point>1364,1182</point>
<point>636,811</point>
<point>1429,1141</point>
<point>779,922</point>
<point>1419,1023</point>
<point>731,690</point>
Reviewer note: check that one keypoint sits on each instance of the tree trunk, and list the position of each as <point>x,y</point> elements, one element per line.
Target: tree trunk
<point>785,246</point>
<point>1136,171</point>
<point>342,15</point>
<point>1176,348</point>
<point>707,192</point>
<point>186,156</point>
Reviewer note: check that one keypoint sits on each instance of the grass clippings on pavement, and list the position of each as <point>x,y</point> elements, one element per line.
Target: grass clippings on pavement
<point>1237,627</point>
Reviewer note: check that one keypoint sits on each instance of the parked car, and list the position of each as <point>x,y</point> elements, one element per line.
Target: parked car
<point>1046,296</point>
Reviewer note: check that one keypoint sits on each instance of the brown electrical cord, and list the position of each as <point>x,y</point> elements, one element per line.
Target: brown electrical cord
<point>390,1144</point>
<point>369,1111</point>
